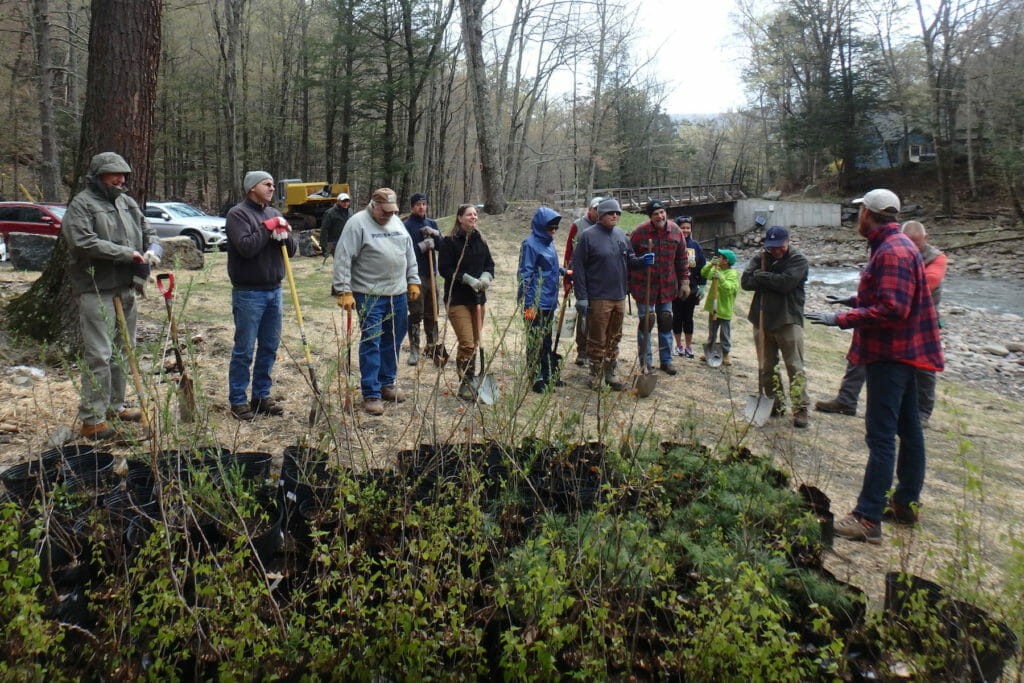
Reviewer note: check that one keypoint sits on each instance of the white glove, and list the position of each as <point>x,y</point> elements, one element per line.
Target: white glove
<point>151,258</point>
<point>427,244</point>
<point>472,282</point>
<point>486,279</point>
<point>283,233</point>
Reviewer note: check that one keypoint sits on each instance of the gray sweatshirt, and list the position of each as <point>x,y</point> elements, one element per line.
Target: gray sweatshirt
<point>600,262</point>
<point>374,259</point>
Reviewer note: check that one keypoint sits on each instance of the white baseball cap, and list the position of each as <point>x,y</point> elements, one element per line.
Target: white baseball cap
<point>880,201</point>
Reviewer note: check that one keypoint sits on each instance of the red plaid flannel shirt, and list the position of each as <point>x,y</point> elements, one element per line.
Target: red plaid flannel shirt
<point>893,316</point>
<point>671,263</point>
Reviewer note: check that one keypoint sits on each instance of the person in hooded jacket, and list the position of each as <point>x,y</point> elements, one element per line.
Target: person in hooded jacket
<point>109,243</point>
<point>538,295</point>
<point>465,263</point>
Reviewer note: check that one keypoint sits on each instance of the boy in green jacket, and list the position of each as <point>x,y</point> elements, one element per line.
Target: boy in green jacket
<point>725,282</point>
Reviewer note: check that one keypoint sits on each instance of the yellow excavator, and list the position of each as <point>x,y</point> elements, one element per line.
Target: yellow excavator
<point>303,204</point>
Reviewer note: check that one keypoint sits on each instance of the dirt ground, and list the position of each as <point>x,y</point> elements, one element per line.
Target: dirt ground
<point>975,477</point>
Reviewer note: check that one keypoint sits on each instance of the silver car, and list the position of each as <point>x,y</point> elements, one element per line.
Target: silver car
<point>177,219</point>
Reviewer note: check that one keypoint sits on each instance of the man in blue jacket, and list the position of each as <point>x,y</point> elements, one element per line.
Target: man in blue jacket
<point>538,294</point>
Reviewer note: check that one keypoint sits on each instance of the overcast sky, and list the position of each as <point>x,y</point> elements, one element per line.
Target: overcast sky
<point>699,59</point>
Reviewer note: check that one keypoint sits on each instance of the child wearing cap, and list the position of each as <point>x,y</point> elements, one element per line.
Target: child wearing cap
<point>725,282</point>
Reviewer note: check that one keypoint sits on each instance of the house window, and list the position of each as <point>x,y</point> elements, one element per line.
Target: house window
<point>923,152</point>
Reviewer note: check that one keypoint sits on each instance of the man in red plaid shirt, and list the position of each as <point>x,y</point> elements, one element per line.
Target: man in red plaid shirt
<point>895,332</point>
<point>669,278</point>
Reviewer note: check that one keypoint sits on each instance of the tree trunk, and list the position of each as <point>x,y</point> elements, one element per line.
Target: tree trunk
<point>49,168</point>
<point>486,130</point>
<point>124,53</point>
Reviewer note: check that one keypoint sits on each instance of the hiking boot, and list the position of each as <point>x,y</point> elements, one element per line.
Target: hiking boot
<point>243,412</point>
<point>855,528</point>
<point>125,415</point>
<point>266,406</point>
<point>688,352</point>
<point>898,513</point>
<point>596,380</point>
<point>834,406</point>
<point>373,406</point>
<point>97,432</point>
<point>539,386</point>
<point>800,418</point>
<point>725,359</point>
<point>669,370</point>
<point>610,379</point>
<point>414,357</point>
<point>581,361</point>
<point>392,395</point>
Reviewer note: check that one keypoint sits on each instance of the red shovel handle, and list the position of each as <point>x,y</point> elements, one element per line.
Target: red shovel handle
<point>165,283</point>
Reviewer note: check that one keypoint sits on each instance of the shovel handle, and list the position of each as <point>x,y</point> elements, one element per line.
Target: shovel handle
<point>165,283</point>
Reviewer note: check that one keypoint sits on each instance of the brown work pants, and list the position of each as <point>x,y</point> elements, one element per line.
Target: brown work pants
<point>788,341</point>
<point>463,320</point>
<point>604,329</point>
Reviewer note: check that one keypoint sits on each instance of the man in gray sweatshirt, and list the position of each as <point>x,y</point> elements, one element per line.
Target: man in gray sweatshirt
<point>375,271</point>
<point>600,262</point>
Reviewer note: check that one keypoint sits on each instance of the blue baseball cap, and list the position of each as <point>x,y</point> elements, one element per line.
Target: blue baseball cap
<point>775,236</point>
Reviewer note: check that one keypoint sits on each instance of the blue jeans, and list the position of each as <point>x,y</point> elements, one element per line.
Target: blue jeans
<point>257,322</point>
<point>383,321</point>
<point>891,412</point>
<point>665,338</point>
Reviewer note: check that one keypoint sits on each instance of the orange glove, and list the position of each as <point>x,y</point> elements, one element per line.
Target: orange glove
<point>529,313</point>
<point>414,292</point>
<point>347,301</point>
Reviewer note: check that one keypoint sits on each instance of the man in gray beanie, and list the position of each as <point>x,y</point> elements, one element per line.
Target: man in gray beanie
<point>600,262</point>
<point>256,232</point>
<point>108,238</point>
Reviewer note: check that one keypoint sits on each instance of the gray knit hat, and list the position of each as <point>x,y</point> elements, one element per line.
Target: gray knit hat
<point>608,206</point>
<point>252,178</point>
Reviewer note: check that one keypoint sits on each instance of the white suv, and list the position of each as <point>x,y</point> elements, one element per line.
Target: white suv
<point>177,219</point>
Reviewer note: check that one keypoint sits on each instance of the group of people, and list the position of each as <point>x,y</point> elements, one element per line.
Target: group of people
<point>385,270</point>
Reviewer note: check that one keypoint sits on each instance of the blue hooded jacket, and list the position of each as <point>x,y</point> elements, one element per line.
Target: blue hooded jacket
<point>538,264</point>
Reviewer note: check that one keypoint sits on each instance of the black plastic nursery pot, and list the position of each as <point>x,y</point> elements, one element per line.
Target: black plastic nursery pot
<point>972,645</point>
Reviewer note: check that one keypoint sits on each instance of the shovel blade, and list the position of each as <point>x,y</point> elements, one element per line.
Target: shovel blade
<point>713,355</point>
<point>486,389</point>
<point>758,409</point>
<point>646,384</point>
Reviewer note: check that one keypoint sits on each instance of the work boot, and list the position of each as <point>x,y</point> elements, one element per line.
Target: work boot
<point>725,359</point>
<point>97,432</point>
<point>373,406</point>
<point>414,347</point>
<point>125,415</point>
<point>266,406</point>
<point>467,392</point>
<point>835,406</point>
<point>668,369</point>
<point>596,376</point>
<point>898,513</point>
<point>581,361</point>
<point>243,412</point>
<point>392,394</point>
<point>610,378</point>
<point>414,356</point>
<point>800,418</point>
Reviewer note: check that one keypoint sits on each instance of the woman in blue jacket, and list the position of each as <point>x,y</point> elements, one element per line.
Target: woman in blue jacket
<point>538,294</point>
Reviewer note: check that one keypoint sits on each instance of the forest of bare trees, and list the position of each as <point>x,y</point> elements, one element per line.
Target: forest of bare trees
<point>494,102</point>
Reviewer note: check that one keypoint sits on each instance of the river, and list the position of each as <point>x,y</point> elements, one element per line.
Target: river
<point>997,296</point>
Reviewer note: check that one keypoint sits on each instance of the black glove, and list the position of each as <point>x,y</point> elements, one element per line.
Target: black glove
<point>823,318</point>
<point>839,300</point>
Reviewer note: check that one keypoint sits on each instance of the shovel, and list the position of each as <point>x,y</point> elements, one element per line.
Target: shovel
<point>485,387</point>
<point>186,392</point>
<point>713,353</point>
<point>558,333</point>
<point>314,410</point>
<point>759,408</point>
<point>647,381</point>
<point>437,351</point>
